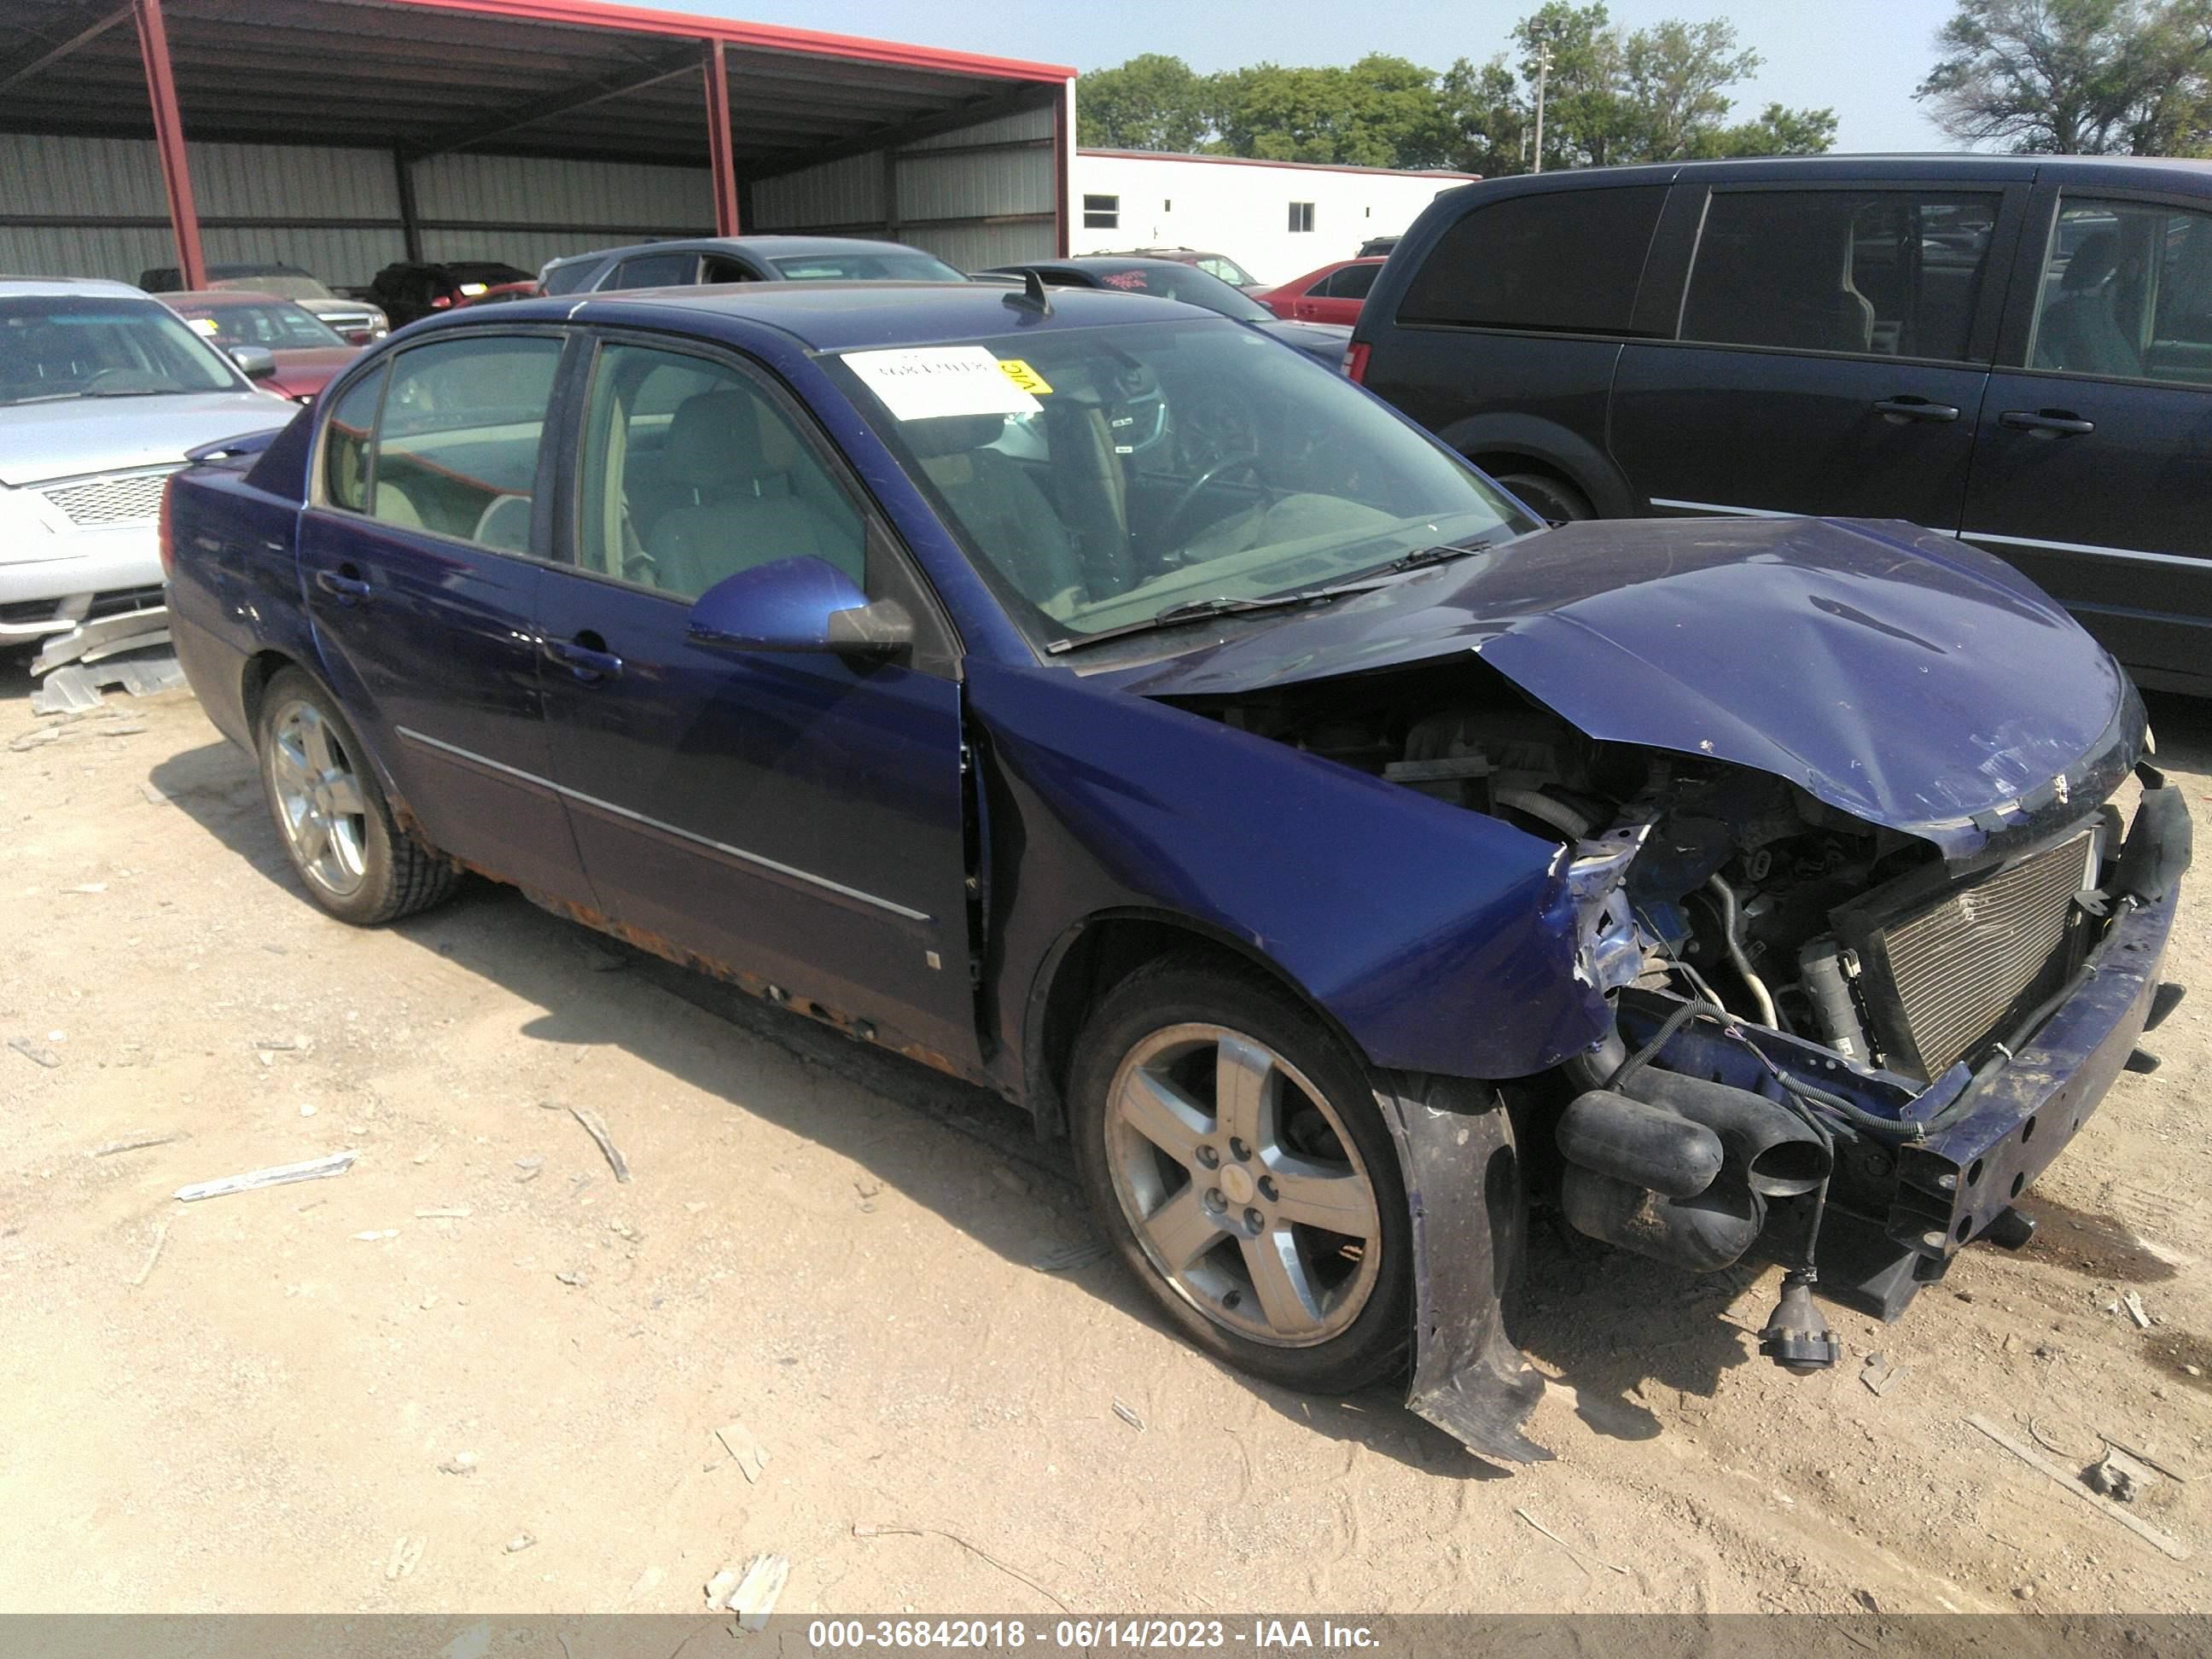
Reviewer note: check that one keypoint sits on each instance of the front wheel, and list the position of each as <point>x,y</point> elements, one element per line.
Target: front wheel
<point>336,825</point>
<point>1556,500</point>
<point>1235,1154</point>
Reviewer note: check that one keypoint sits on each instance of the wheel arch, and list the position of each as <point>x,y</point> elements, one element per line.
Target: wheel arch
<point>1505,441</point>
<point>261,670</point>
<point>1104,947</point>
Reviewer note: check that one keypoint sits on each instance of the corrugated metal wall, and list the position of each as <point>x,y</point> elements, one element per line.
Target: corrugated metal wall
<point>979,196</point>
<point>94,207</point>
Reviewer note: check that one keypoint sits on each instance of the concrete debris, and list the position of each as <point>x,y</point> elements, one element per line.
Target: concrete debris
<point>751,1455</point>
<point>718,1587</point>
<point>451,1212</point>
<point>1878,1375</point>
<point>37,1054</point>
<point>520,1542</point>
<point>759,1585</point>
<point>376,1235</point>
<point>314,1168</point>
<point>2133,1302</point>
<point>575,1276</point>
<point>460,1463</point>
<point>1128,1414</point>
<point>2115,1477</point>
<point>1065,1258</point>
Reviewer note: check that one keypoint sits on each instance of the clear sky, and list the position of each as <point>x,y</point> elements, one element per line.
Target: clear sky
<point>1860,58</point>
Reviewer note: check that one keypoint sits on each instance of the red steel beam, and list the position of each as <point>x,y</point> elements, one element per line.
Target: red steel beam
<point>169,141</point>
<point>721,158</point>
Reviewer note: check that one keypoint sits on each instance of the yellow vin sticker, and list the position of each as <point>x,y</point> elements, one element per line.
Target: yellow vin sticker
<point>1023,375</point>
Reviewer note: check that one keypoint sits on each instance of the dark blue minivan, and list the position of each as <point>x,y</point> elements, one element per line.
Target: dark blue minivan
<point>2016,350</point>
<point>1081,694</point>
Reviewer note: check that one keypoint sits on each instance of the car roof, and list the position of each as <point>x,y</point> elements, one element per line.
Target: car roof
<point>1837,168</point>
<point>223,296</point>
<point>57,286</point>
<point>839,316</point>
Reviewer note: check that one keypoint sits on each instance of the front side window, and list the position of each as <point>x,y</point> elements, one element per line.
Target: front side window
<point>1102,213</point>
<point>456,447</point>
<point>349,442</point>
<point>54,349</point>
<point>1100,477</point>
<point>2127,293</point>
<point>656,270</point>
<point>1886,273</point>
<point>693,472</point>
<point>1564,261</point>
<point>1302,215</point>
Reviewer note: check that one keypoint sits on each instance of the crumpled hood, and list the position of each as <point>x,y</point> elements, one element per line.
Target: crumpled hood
<point>38,442</point>
<point>1897,675</point>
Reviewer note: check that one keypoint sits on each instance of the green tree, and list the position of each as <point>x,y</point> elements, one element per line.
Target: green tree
<point>1382,111</point>
<point>2095,77</point>
<point>1777,131</point>
<point>1152,102</point>
<point>1488,118</point>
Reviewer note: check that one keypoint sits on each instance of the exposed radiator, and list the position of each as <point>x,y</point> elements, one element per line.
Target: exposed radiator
<point>1958,967</point>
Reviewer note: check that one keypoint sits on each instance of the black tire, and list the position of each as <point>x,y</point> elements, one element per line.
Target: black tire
<point>1557,500</point>
<point>1185,990</point>
<point>400,873</point>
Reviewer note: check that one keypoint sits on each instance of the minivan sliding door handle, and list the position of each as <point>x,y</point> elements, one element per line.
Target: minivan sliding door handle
<point>2046,423</point>
<point>1897,410</point>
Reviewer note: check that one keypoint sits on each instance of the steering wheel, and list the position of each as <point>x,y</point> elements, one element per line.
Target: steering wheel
<point>1171,534</point>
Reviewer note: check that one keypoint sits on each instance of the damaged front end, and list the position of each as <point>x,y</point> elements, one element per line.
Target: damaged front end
<point>1844,1043</point>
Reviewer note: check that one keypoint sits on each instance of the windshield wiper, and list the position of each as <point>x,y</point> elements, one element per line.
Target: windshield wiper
<point>1439,553</point>
<point>1198,610</point>
<point>43,398</point>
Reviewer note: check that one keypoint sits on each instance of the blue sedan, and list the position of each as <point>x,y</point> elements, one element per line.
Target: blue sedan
<point>1080,695</point>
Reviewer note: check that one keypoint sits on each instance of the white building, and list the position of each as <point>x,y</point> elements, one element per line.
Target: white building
<point>1277,219</point>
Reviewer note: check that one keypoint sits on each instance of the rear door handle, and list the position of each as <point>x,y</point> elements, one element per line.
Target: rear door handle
<point>588,663</point>
<point>2046,423</point>
<point>346,586</point>
<point>1897,410</point>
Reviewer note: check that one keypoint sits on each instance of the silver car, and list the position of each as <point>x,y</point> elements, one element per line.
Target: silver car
<point>102,391</point>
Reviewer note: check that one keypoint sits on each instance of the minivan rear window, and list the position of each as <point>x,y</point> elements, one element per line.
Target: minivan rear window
<point>1566,261</point>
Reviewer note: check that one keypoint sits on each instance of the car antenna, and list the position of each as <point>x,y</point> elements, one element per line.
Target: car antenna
<point>1032,296</point>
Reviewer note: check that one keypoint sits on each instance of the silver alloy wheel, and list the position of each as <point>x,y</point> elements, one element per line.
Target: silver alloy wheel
<point>319,799</point>
<point>1243,1185</point>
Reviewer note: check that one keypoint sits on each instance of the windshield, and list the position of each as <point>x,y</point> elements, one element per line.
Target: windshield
<point>1101,477</point>
<point>1185,282</point>
<point>911,265</point>
<point>289,285</point>
<point>62,346</point>
<point>280,325</point>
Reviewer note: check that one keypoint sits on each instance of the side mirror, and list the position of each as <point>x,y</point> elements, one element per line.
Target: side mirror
<point>798,604</point>
<point>255,362</point>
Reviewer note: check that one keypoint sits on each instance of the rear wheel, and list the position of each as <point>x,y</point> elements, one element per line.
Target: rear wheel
<point>331,816</point>
<point>1554,498</point>
<point>1235,1154</point>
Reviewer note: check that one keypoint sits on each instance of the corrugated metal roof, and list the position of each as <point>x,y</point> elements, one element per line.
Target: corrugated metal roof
<point>548,78</point>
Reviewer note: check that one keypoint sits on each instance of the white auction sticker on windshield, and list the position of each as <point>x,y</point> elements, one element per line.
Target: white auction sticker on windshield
<point>928,383</point>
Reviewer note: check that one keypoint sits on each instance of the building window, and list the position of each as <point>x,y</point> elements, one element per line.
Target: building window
<point>1102,213</point>
<point>1167,206</point>
<point>1302,215</point>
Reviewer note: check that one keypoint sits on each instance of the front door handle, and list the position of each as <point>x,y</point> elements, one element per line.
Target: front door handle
<point>2046,423</point>
<point>344,584</point>
<point>1897,410</point>
<point>591,663</point>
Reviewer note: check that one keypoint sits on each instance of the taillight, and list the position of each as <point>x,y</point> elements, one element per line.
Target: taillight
<point>162,530</point>
<point>1355,362</point>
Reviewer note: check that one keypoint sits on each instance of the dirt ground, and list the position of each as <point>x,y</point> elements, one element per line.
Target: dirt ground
<point>253,1402</point>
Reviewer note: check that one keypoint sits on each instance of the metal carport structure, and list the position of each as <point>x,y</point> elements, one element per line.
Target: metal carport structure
<point>341,134</point>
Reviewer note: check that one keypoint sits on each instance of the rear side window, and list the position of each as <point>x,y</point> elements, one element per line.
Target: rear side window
<point>457,449</point>
<point>347,437</point>
<point>1349,284</point>
<point>1893,273</point>
<point>567,279</point>
<point>656,270</point>
<point>1564,261</point>
<point>2127,293</point>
